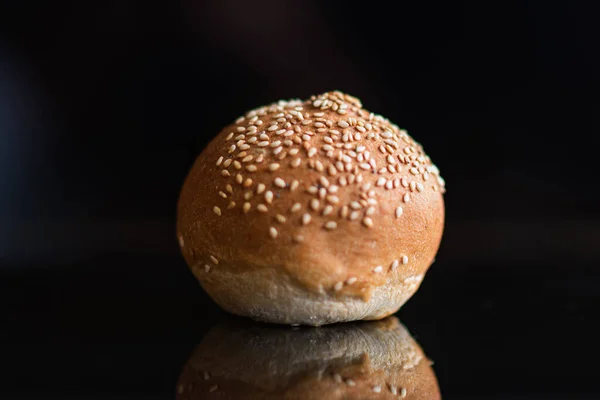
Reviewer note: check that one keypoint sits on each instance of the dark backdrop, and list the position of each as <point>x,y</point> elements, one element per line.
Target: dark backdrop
<point>105,105</point>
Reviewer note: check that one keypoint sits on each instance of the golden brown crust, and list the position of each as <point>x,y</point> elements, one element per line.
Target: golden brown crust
<point>369,360</point>
<point>332,201</point>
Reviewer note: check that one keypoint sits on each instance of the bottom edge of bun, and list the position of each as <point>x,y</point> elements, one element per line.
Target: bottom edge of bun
<point>272,298</point>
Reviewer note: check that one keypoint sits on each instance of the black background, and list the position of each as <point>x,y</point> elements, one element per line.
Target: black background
<point>105,105</point>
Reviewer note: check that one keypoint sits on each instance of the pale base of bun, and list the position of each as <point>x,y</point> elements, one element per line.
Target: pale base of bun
<point>272,297</point>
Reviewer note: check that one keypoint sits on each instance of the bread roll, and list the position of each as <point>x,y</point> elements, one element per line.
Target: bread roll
<point>311,212</point>
<point>361,360</point>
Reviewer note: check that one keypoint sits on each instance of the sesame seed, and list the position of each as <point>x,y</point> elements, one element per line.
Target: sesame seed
<point>296,162</point>
<point>394,265</point>
<point>368,222</point>
<point>378,269</point>
<point>298,238</point>
<point>380,182</point>
<point>355,205</point>
<point>393,390</point>
<point>273,167</point>
<point>413,171</point>
<point>333,199</point>
<point>247,158</point>
<point>406,197</point>
<point>314,204</point>
<point>343,124</point>
<point>206,267</point>
<point>251,168</point>
<point>420,187</point>
<point>228,137</point>
<point>219,161</point>
<point>365,166</point>
<point>273,232</point>
<point>327,210</point>
<point>376,389</point>
<point>248,182</point>
<point>322,193</point>
<point>337,378</point>
<point>306,219</point>
<point>273,127</point>
<point>370,211</point>
<point>269,197</point>
<point>296,207</point>
<point>330,225</point>
<point>223,195</point>
<point>312,151</point>
<point>231,205</point>
<point>213,388</point>
<point>354,215</point>
<point>399,211</point>
<point>403,392</point>
<point>260,188</point>
<point>227,163</point>
<point>262,208</point>
<point>259,159</point>
<point>280,218</point>
<point>214,260</point>
<point>413,186</point>
<point>405,259</point>
<point>279,182</point>
<point>350,382</point>
<point>350,281</point>
<point>338,286</point>
<point>389,185</point>
<point>217,210</point>
<point>246,207</point>
<point>239,178</point>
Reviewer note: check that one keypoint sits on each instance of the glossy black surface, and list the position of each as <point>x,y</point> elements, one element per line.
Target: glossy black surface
<point>124,325</point>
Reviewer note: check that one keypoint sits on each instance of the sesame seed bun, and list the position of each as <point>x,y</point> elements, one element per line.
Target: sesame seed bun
<point>311,212</point>
<point>364,360</point>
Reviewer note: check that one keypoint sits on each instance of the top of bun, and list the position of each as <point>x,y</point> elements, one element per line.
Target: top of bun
<point>241,360</point>
<point>321,182</point>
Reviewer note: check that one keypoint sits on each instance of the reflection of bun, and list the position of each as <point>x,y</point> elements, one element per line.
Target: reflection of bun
<point>311,213</point>
<point>369,360</point>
